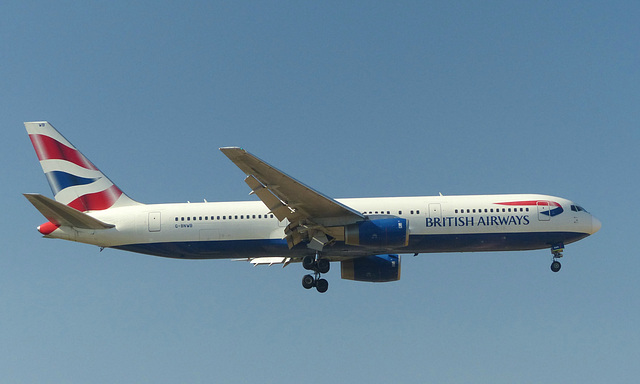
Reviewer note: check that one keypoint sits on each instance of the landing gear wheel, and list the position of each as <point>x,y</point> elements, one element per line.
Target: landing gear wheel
<point>319,266</point>
<point>555,266</point>
<point>309,263</point>
<point>323,265</point>
<point>308,281</point>
<point>322,285</point>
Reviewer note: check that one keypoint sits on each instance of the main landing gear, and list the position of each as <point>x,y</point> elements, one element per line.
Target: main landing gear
<point>556,251</point>
<point>318,266</point>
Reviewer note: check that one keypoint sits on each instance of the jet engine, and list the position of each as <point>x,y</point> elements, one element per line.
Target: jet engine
<point>391,232</point>
<point>377,268</point>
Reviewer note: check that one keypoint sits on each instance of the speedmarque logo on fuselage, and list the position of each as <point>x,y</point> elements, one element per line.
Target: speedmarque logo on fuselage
<point>477,221</point>
<point>550,208</point>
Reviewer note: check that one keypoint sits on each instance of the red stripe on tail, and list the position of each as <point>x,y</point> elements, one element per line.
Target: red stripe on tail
<point>51,149</point>
<point>97,201</point>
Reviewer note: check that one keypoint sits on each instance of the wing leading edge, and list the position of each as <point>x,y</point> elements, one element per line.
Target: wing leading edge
<point>309,212</point>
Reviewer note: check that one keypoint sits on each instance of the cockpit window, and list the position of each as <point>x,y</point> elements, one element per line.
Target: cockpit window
<point>577,208</point>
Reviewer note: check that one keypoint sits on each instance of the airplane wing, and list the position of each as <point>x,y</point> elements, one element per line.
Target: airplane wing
<point>309,212</point>
<point>267,261</point>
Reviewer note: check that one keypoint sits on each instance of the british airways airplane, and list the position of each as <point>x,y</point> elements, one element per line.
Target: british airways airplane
<point>293,222</point>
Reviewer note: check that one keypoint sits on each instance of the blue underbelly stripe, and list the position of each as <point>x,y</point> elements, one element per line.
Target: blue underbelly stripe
<point>223,249</point>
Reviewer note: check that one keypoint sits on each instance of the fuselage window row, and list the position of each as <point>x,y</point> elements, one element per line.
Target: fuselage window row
<point>230,217</point>
<point>416,212</point>
<point>491,210</point>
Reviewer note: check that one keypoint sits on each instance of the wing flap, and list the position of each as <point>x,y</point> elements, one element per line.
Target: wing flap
<point>63,215</point>
<point>268,261</point>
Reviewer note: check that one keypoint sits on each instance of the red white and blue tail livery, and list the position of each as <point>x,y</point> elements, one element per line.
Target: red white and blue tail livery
<point>74,180</point>
<point>292,222</point>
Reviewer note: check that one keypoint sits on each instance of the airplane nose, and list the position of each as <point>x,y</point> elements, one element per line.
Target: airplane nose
<point>595,225</point>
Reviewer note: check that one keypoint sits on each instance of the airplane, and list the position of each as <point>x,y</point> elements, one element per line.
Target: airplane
<point>293,223</point>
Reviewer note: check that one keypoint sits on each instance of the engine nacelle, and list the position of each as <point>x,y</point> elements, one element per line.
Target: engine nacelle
<point>392,232</point>
<point>377,269</point>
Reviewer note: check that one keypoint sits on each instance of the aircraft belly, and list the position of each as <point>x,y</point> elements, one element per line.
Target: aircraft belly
<point>433,243</point>
<point>221,249</point>
<point>489,242</point>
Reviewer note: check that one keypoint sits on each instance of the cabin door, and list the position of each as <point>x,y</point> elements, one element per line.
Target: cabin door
<point>154,221</point>
<point>435,210</point>
<point>544,210</point>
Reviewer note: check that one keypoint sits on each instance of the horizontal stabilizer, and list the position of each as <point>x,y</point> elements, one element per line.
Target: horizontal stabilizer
<point>63,215</point>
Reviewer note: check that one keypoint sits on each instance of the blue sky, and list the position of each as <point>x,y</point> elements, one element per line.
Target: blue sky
<point>358,99</point>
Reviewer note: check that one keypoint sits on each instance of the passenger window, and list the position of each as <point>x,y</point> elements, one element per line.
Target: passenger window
<point>176,219</point>
<point>417,212</point>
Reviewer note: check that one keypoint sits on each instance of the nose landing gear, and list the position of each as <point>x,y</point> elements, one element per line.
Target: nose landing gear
<point>318,266</point>
<point>556,251</point>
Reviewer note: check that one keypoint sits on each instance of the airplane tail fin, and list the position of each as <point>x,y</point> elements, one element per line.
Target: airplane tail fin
<point>74,180</point>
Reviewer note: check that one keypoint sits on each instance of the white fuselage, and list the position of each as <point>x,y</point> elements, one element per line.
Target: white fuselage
<point>247,229</point>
